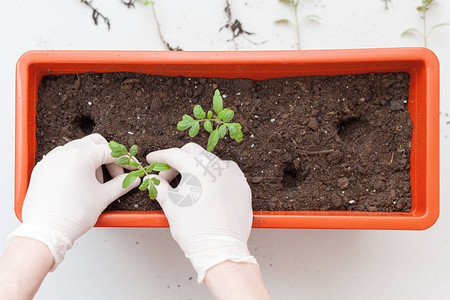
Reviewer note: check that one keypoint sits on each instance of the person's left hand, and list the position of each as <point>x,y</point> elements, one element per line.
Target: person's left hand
<point>66,194</point>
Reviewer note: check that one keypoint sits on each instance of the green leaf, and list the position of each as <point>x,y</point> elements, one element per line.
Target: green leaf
<point>133,150</point>
<point>133,164</point>
<point>208,125</point>
<point>222,113</point>
<point>226,115</point>
<point>437,25</point>
<point>152,191</point>
<point>210,114</point>
<point>199,113</point>
<point>117,149</point>
<point>144,185</point>
<point>149,169</point>
<point>187,122</point>
<point>239,137</point>
<point>235,131</point>
<point>312,17</point>
<point>282,21</point>
<point>115,146</point>
<point>217,102</point>
<point>117,154</point>
<point>222,130</point>
<point>131,177</point>
<point>158,166</point>
<point>123,161</point>
<point>412,30</point>
<point>155,181</point>
<point>291,2</point>
<point>212,140</point>
<point>194,129</point>
<point>188,118</point>
<point>139,173</point>
<point>183,125</point>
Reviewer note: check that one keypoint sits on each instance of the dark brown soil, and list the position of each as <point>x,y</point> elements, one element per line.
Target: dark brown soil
<point>310,143</point>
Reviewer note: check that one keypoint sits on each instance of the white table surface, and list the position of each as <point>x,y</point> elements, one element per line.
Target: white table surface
<point>139,263</point>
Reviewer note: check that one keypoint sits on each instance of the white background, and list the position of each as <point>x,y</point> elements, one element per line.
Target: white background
<point>138,263</point>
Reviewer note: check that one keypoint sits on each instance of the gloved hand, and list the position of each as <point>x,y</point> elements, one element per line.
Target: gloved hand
<point>66,194</point>
<point>210,212</point>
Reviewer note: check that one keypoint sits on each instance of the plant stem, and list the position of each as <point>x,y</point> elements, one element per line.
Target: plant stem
<point>216,121</point>
<point>140,167</point>
<point>152,3</point>
<point>297,25</point>
<point>424,18</point>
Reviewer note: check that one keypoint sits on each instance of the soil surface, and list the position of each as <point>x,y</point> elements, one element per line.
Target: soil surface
<point>310,143</point>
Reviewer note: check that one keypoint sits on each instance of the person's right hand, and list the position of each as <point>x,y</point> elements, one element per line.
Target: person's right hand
<point>210,211</point>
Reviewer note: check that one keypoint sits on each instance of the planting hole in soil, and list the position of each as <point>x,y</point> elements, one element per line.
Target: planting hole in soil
<point>85,124</point>
<point>310,143</point>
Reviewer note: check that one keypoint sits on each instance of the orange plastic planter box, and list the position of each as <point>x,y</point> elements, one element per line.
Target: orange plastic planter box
<point>420,63</point>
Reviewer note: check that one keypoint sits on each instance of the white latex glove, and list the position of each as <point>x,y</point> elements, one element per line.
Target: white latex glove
<point>66,194</point>
<point>210,212</point>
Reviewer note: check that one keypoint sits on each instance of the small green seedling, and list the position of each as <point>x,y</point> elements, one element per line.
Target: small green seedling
<point>217,123</point>
<point>294,5</point>
<point>127,158</point>
<point>426,33</point>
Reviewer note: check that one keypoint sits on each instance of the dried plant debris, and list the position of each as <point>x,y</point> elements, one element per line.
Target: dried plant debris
<point>128,3</point>
<point>96,14</point>
<point>236,28</point>
<point>161,37</point>
<point>386,4</point>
